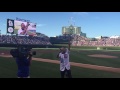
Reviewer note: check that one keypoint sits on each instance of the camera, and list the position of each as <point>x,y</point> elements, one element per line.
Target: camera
<point>21,52</point>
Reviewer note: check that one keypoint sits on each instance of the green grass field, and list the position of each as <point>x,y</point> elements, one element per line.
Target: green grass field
<point>8,67</point>
<point>81,56</point>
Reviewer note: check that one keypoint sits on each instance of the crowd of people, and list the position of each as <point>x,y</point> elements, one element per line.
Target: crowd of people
<point>8,39</point>
<point>84,41</point>
<point>44,40</point>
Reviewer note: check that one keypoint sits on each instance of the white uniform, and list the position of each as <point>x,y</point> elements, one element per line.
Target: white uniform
<point>19,31</point>
<point>64,61</point>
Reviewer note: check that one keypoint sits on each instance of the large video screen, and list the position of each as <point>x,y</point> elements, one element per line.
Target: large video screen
<point>24,28</point>
<point>20,27</point>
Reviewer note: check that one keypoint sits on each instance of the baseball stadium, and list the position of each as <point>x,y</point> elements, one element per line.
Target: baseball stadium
<point>89,57</point>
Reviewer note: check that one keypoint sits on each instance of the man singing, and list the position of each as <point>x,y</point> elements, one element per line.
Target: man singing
<point>64,62</point>
<point>23,29</point>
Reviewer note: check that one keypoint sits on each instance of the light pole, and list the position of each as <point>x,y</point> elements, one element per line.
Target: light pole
<point>70,35</point>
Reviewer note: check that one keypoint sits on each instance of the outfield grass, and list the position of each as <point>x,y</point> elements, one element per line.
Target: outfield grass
<point>82,57</point>
<point>8,69</point>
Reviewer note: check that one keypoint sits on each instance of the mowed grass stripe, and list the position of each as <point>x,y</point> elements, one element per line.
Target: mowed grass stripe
<point>8,69</point>
<point>82,57</point>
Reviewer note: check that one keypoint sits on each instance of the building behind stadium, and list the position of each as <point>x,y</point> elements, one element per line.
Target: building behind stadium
<point>66,30</point>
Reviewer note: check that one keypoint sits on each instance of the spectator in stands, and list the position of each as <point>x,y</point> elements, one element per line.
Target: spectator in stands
<point>25,40</point>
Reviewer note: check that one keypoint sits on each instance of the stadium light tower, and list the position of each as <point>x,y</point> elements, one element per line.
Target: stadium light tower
<point>71,23</point>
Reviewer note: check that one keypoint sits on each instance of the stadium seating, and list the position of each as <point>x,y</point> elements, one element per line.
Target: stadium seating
<point>41,40</point>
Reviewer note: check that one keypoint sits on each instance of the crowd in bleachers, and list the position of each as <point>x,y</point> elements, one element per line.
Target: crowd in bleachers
<point>83,41</point>
<point>8,39</point>
<point>76,40</point>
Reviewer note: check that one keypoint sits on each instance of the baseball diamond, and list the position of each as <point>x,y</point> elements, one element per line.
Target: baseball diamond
<point>44,47</point>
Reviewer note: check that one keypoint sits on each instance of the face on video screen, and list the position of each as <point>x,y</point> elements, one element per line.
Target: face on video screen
<point>26,27</point>
<point>22,26</point>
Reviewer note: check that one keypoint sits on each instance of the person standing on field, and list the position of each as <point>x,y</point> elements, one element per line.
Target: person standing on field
<point>64,62</point>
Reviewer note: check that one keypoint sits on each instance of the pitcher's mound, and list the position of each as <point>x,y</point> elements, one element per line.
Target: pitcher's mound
<point>102,56</point>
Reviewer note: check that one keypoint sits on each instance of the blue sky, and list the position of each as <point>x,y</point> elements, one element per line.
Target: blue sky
<point>50,23</point>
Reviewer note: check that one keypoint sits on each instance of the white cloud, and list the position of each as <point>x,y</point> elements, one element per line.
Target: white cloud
<point>40,25</point>
<point>80,13</point>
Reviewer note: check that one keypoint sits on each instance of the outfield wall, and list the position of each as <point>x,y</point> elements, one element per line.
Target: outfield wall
<point>60,45</point>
